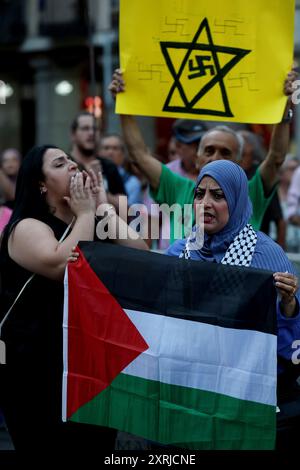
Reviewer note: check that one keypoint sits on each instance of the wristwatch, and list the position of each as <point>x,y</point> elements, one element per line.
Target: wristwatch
<point>288,118</point>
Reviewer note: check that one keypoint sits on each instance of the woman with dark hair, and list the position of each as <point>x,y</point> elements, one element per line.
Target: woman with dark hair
<point>228,238</point>
<point>55,207</point>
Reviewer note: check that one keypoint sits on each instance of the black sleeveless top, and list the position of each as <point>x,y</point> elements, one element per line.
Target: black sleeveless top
<point>33,331</point>
<point>32,389</point>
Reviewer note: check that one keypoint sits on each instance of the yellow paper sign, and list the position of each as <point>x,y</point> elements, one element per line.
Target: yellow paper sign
<point>221,60</point>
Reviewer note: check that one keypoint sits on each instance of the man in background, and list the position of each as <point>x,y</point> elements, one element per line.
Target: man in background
<point>84,152</point>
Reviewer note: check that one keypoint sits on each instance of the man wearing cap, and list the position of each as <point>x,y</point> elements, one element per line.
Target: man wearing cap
<point>218,143</point>
<point>187,134</point>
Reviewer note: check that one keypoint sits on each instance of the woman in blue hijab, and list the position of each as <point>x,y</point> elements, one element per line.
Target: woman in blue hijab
<point>225,236</point>
<point>221,194</point>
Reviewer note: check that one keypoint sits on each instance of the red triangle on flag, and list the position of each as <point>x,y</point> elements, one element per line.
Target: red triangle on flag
<point>102,340</point>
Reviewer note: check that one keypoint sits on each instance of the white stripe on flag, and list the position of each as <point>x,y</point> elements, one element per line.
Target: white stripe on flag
<point>65,346</point>
<point>238,363</point>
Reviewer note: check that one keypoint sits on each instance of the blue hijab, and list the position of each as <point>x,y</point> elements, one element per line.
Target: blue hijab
<point>233,181</point>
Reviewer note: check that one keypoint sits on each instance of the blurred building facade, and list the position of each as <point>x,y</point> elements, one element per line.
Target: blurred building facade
<point>45,62</point>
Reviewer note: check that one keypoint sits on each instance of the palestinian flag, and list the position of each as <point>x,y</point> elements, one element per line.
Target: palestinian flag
<point>176,351</point>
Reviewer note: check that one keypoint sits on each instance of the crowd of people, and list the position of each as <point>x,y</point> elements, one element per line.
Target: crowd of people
<point>50,201</point>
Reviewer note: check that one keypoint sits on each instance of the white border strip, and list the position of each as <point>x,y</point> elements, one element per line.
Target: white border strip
<point>65,347</point>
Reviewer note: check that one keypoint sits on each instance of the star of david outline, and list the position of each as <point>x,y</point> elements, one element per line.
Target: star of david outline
<point>221,72</point>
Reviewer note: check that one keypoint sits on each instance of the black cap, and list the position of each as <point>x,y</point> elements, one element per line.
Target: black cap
<point>188,130</point>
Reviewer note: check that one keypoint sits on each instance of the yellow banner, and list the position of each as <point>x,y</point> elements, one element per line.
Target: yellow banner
<point>220,60</point>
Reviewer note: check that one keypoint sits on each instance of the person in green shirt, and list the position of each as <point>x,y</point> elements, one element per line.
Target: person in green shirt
<point>175,189</point>
<point>218,143</point>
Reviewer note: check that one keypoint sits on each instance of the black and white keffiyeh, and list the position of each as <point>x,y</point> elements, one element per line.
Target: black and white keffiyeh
<point>239,252</point>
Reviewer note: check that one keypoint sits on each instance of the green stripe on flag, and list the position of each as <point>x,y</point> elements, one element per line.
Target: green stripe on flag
<point>166,413</point>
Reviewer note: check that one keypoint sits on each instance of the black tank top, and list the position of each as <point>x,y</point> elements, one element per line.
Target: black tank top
<point>33,330</point>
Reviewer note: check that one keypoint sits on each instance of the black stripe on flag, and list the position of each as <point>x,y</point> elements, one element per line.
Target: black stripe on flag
<point>227,296</point>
